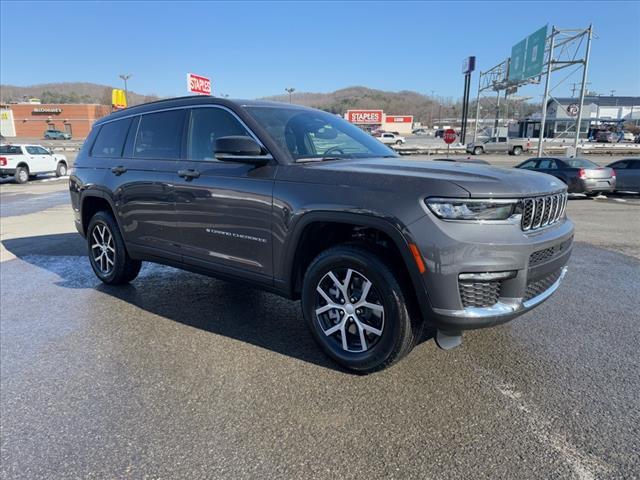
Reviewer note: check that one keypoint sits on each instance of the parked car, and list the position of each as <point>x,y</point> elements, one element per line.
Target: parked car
<point>580,175</point>
<point>439,133</point>
<point>512,146</point>
<point>389,138</point>
<point>303,204</point>
<point>605,136</point>
<point>628,137</point>
<point>56,135</point>
<point>627,174</point>
<point>26,161</point>
<point>421,131</point>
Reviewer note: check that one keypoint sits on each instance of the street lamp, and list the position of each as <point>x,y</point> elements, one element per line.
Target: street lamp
<point>290,90</point>
<point>125,77</point>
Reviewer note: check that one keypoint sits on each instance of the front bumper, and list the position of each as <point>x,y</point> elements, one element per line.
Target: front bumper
<point>504,310</point>
<point>451,249</point>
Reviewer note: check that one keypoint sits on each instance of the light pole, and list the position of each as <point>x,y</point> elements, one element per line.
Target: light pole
<point>125,77</point>
<point>290,90</point>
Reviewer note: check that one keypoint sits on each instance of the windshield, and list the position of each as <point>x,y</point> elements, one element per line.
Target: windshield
<point>311,134</point>
<point>580,163</point>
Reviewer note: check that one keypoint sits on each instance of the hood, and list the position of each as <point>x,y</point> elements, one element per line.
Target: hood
<point>479,180</point>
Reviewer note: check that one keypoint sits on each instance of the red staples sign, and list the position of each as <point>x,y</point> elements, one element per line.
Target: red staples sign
<point>198,84</point>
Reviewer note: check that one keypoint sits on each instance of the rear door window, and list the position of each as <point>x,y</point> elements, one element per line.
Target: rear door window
<point>111,138</point>
<point>547,164</point>
<point>160,135</point>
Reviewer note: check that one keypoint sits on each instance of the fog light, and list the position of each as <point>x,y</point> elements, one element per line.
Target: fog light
<point>488,276</point>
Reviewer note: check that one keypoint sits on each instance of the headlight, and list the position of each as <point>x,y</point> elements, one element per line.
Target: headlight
<point>473,210</point>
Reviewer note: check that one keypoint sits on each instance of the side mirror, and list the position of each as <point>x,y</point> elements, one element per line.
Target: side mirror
<point>240,149</point>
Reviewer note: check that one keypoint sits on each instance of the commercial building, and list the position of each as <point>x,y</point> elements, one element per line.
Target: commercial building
<point>599,112</point>
<point>32,119</point>
<point>370,120</point>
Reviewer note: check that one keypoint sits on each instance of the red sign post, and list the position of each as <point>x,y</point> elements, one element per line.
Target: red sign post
<point>198,84</point>
<point>449,136</point>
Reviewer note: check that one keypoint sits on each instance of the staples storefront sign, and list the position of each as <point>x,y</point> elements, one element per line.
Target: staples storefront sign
<point>364,116</point>
<point>399,119</point>
<point>198,84</point>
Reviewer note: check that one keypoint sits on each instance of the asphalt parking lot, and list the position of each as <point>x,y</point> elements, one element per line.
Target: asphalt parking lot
<point>183,376</point>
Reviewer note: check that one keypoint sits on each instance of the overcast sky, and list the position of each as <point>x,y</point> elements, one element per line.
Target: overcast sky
<point>257,49</point>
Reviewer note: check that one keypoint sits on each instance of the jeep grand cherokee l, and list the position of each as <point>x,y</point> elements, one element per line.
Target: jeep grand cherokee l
<point>301,203</point>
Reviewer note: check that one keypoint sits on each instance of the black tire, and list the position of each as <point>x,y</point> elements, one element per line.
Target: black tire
<point>123,268</point>
<point>516,151</point>
<point>399,332</point>
<point>399,142</point>
<point>21,175</point>
<point>61,169</point>
<point>478,151</point>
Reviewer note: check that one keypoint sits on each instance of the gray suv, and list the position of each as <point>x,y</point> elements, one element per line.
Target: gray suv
<point>301,203</point>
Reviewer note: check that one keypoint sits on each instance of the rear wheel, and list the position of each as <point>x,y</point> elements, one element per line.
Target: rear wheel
<point>399,142</point>
<point>107,253</point>
<point>61,169</point>
<point>517,151</point>
<point>478,151</point>
<point>21,175</point>
<point>356,309</point>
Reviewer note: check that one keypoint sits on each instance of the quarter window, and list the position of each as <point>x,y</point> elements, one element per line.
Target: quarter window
<point>207,125</point>
<point>160,135</point>
<point>111,139</point>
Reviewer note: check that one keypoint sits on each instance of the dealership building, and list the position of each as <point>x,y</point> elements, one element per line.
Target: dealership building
<point>32,119</point>
<point>598,111</point>
<point>370,120</point>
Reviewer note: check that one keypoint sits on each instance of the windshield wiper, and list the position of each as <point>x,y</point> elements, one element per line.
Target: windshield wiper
<point>317,159</point>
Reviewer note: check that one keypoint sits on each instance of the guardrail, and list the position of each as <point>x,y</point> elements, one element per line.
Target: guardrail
<point>548,148</point>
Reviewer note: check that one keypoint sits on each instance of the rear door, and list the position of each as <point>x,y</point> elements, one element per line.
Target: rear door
<point>140,155</point>
<point>224,211</point>
<point>36,159</point>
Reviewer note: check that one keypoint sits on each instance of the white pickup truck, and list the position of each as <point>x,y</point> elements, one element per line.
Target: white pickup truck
<point>391,139</point>
<point>26,161</point>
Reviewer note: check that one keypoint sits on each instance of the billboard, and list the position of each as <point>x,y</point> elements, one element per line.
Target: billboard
<point>198,84</point>
<point>469,65</point>
<point>527,56</point>
<point>364,117</point>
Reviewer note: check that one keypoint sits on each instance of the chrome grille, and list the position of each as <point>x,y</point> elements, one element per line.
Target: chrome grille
<point>538,212</point>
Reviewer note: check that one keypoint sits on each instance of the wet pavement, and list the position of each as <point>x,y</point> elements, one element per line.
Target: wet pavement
<point>182,376</point>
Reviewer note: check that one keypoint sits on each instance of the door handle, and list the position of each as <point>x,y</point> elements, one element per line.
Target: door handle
<point>119,170</point>
<point>188,174</point>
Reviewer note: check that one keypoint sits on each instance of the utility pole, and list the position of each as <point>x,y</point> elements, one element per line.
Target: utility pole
<point>125,77</point>
<point>546,91</point>
<point>290,90</point>
<point>585,68</point>
<point>497,121</point>
<point>475,128</point>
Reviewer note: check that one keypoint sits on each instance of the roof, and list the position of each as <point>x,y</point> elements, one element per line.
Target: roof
<point>194,100</point>
<point>601,100</point>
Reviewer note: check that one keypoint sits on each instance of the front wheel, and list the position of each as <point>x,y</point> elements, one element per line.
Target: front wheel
<point>107,253</point>
<point>399,142</point>
<point>61,169</point>
<point>356,309</point>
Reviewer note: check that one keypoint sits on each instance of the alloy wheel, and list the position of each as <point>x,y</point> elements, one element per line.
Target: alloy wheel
<point>349,310</point>
<point>103,249</point>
